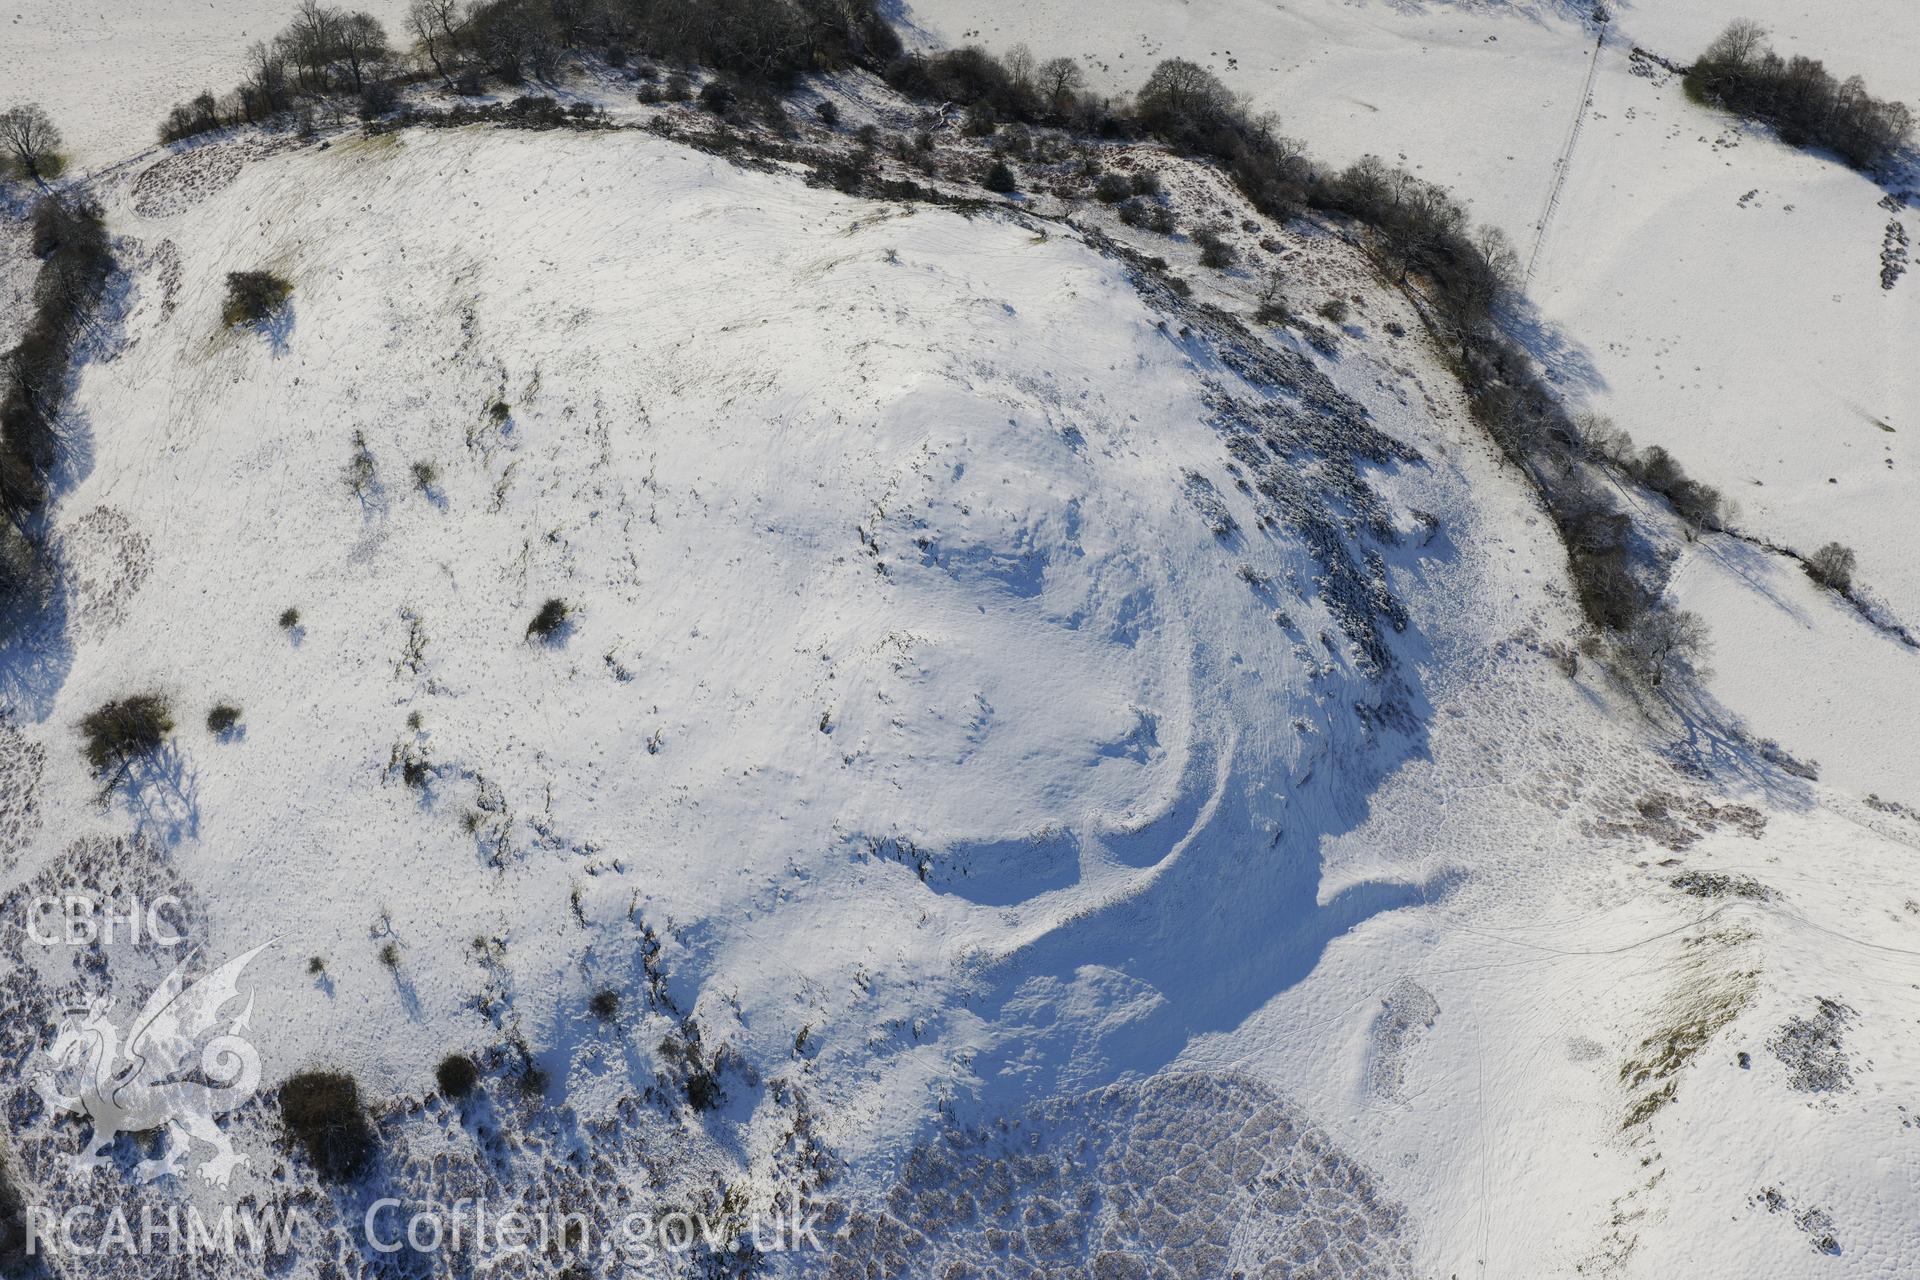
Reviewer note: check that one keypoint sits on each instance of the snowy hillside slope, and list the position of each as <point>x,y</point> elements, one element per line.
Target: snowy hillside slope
<point>1643,217</point>
<point>999,698</point>
<point>1028,740</point>
<point>1714,291</point>
<point>906,627</point>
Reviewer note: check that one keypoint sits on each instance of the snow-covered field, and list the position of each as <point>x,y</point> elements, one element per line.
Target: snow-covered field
<point>1106,785</point>
<point>109,70</point>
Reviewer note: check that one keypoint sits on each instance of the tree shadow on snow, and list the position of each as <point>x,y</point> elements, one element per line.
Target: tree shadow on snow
<point>162,791</point>
<point>899,16</point>
<point>1567,364</point>
<point>1711,741</point>
<point>277,328</point>
<point>1758,568</point>
<point>35,651</point>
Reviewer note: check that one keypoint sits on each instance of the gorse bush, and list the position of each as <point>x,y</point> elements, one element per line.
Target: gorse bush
<point>378,98</point>
<point>120,732</point>
<point>1000,179</point>
<point>718,96</point>
<point>223,718</point>
<point>456,1075</point>
<point>702,1074</point>
<point>1215,252</point>
<point>252,296</point>
<point>323,1113</point>
<point>1150,214</point>
<point>547,623</point>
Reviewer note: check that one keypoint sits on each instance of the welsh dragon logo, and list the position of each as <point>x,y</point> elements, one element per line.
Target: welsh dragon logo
<point>183,1064</point>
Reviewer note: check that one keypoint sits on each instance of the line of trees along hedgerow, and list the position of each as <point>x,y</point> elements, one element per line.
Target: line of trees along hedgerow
<point>327,52</point>
<point>1800,98</point>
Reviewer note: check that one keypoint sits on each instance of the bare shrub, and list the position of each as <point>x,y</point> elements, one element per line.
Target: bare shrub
<point>360,468</point>
<point>1832,567</point>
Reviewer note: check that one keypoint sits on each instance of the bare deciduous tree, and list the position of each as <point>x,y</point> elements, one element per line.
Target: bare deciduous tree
<point>435,25</point>
<point>1661,642</point>
<point>1832,567</point>
<point>363,42</point>
<point>1179,92</point>
<point>1739,44</point>
<point>1059,79</point>
<point>1020,66</point>
<point>28,132</point>
<point>312,41</point>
